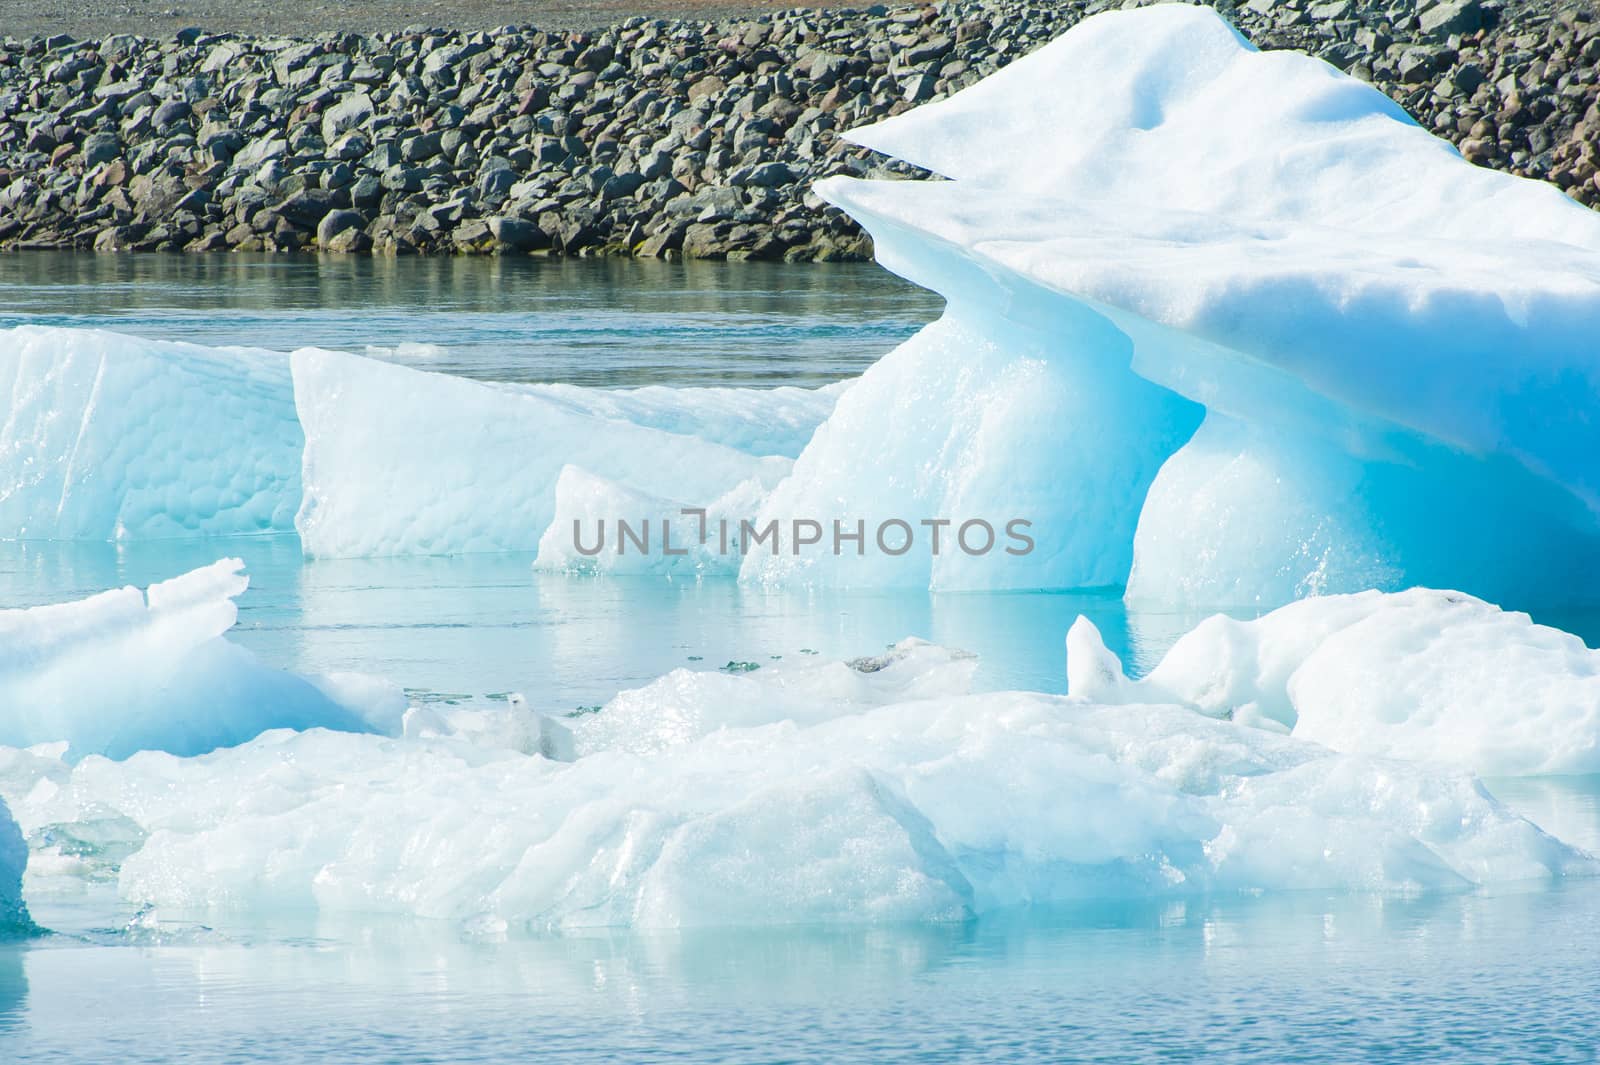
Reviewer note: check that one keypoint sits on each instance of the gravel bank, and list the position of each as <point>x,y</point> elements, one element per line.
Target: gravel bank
<point>650,137</point>
<point>91,19</point>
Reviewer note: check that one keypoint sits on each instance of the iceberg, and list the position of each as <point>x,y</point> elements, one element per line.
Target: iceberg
<point>1421,675</point>
<point>127,671</point>
<point>979,418</point>
<point>110,437</point>
<point>1284,336</point>
<point>842,792</point>
<point>398,461</point>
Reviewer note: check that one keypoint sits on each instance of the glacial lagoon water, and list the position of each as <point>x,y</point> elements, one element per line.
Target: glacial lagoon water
<point>612,323</point>
<point>1475,976</point>
<point>1506,978</point>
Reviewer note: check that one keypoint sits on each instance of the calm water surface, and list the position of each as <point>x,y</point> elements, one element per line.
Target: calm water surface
<point>1499,979</point>
<point>1510,976</point>
<point>613,323</point>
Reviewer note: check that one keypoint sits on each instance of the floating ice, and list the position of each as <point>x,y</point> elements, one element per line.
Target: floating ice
<point>515,727</point>
<point>604,527</point>
<point>107,437</point>
<point>831,792</point>
<point>408,351</point>
<point>757,421</point>
<point>1393,348</point>
<point>688,705</point>
<point>1422,675</point>
<point>402,462</point>
<point>978,418</point>
<point>104,437</point>
<point>126,671</point>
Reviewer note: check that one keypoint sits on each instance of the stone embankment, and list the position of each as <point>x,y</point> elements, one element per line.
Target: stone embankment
<point>651,138</point>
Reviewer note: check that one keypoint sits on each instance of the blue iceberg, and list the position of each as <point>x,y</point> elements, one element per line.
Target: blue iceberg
<point>1229,327</point>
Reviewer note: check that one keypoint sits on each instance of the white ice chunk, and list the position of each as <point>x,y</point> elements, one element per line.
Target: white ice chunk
<point>1422,675</point>
<point>757,421</point>
<point>107,437</point>
<point>828,793</point>
<point>687,705</point>
<point>515,727</point>
<point>1169,106</point>
<point>380,703</point>
<point>604,527</point>
<point>126,671</point>
<point>398,461</point>
<point>410,351</point>
<point>1094,672</point>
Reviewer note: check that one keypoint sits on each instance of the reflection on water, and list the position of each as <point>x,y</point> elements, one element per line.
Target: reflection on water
<point>609,322</point>
<point>1285,978</point>
<point>1566,807</point>
<point>13,990</point>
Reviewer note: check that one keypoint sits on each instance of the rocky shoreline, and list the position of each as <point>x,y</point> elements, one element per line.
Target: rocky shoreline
<point>650,138</point>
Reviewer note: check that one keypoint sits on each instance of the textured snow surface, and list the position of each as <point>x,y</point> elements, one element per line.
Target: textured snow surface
<point>1393,348</point>
<point>104,436</point>
<point>1422,675</point>
<point>825,792</point>
<point>127,671</point>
